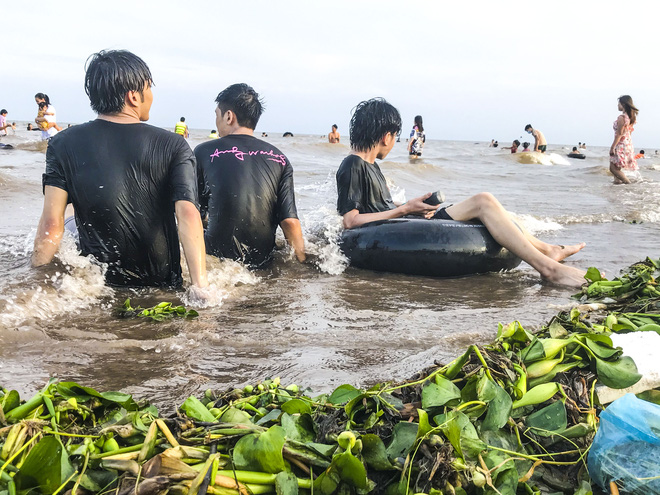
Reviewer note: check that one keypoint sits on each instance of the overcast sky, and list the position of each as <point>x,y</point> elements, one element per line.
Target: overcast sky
<point>474,70</point>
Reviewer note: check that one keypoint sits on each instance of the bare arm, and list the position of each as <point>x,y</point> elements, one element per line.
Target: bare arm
<point>191,235</point>
<point>536,140</point>
<point>293,234</point>
<point>415,206</point>
<point>51,226</point>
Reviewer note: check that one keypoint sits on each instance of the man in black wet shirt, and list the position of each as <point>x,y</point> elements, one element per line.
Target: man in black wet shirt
<point>127,182</point>
<point>364,196</point>
<point>245,185</point>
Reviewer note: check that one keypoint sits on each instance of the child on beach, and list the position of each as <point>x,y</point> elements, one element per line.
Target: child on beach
<point>45,124</point>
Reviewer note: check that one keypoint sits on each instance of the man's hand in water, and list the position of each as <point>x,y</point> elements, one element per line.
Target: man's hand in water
<point>202,297</point>
<point>417,206</point>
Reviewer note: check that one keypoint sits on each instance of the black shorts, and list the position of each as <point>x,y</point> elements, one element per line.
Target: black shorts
<point>442,214</point>
<point>542,148</point>
<point>415,154</point>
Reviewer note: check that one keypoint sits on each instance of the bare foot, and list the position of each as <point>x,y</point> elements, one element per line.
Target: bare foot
<point>559,252</point>
<point>566,275</point>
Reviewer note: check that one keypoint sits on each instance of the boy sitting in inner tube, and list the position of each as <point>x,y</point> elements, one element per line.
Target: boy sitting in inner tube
<point>364,197</point>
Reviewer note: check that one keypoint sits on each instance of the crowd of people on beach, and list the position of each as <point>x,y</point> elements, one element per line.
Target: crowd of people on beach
<point>229,196</point>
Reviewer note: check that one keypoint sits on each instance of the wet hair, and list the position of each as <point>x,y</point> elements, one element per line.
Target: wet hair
<point>182,119</point>
<point>574,148</point>
<point>213,131</point>
<point>43,96</point>
<point>525,144</point>
<point>29,127</point>
<point>334,126</point>
<point>110,75</point>
<point>3,111</point>
<point>43,104</point>
<point>371,121</point>
<point>528,126</point>
<point>244,101</point>
<point>629,108</point>
<point>516,142</point>
<point>418,123</point>
<point>641,152</point>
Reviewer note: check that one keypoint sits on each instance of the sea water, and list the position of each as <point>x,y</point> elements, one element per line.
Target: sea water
<point>321,323</point>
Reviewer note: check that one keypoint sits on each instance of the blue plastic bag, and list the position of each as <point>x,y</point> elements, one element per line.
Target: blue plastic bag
<point>626,448</point>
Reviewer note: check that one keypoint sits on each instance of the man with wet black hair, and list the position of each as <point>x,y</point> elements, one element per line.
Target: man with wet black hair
<point>364,196</point>
<point>245,185</point>
<point>128,183</point>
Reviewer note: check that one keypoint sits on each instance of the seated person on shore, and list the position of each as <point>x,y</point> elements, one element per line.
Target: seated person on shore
<point>245,185</point>
<point>525,147</point>
<point>514,146</point>
<point>131,184</point>
<point>364,196</point>
<point>334,136</point>
<point>45,124</point>
<point>540,143</point>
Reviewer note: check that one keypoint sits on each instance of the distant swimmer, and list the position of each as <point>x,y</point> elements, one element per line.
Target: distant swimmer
<point>245,185</point>
<point>417,138</point>
<point>525,147</point>
<point>622,154</point>
<point>214,134</point>
<point>583,146</point>
<point>263,134</point>
<point>575,153</point>
<point>540,143</point>
<point>287,134</point>
<point>514,146</point>
<point>363,197</point>
<point>639,155</point>
<point>133,187</point>
<point>492,143</point>
<point>181,127</point>
<point>333,136</point>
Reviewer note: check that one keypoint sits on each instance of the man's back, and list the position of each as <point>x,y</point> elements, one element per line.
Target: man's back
<point>123,180</point>
<point>246,185</point>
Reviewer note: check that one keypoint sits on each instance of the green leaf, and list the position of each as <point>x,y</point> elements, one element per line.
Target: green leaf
<point>424,425</point>
<point>499,409</point>
<point>374,452</point>
<point>533,352</point>
<point>618,374</point>
<point>294,406</point>
<point>273,415</point>
<point>46,467</point>
<point>194,409</point>
<point>343,394</point>
<point>10,401</point>
<point>551,419</point>
<point>299,428</point>
<point>557,330</point>
<point>460,432</point>
<point>602,350</point>
<point>350,470</point>
<point>439,393</point>
<point>286,483</point>
<point>236,416</point>
<point>261,451</point>
<point>593,274</point>
<point>403,438</point>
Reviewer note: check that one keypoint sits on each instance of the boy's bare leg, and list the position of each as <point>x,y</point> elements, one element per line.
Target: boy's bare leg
<point>557,252</point>
<point>486,208</point>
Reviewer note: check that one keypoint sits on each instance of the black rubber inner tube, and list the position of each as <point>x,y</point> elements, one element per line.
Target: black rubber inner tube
<point>416,246</point>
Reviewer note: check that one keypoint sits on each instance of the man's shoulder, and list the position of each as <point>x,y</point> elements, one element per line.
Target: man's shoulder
<point>353,162</point>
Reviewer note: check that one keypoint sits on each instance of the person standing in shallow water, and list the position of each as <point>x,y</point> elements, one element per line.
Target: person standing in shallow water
<point>131,184</point>
<point>417,138</point>
<point>622,153</point>
<point>363,197</point>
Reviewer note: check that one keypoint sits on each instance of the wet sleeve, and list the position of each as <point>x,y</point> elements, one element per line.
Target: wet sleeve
<point>202,184</point>
<point>349,190</point>
<point>54,175</point>
<point>183,175</point>
<point>286,200</point>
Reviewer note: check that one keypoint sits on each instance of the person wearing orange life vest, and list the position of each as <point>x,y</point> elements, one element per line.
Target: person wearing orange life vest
<point>181,127</point>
